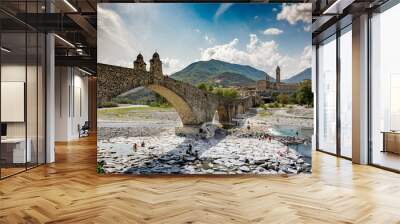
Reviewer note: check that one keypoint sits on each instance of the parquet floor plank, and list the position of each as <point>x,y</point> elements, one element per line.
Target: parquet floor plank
<point>70,191</point>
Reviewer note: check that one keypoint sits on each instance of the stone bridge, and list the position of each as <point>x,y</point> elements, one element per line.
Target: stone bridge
<point>193,105</point>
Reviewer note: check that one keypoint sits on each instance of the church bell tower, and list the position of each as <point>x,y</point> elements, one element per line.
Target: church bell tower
<point>278,74</point>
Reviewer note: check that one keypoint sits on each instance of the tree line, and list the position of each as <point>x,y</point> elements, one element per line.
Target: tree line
<point>302,96</point>
<point>220,91</point>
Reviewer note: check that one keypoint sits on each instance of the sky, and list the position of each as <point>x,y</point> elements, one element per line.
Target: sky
<point>261,35</point>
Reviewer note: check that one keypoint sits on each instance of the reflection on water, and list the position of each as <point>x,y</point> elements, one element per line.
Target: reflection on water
<point>287,130</point>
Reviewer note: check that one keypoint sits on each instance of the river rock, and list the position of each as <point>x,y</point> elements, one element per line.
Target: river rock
<point>244,168</point>
<point>300,161</point>
<point>231,155</point>
<point>190,159</point>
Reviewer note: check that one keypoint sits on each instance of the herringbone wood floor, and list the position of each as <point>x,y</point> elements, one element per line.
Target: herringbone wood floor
<point>70,191</point>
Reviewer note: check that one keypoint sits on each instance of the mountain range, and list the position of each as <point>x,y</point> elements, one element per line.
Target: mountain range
<point>229,74</point>
<point>209,71</point>
<point>231,79</point>
<point>219,73</point>
<point>305,74</point>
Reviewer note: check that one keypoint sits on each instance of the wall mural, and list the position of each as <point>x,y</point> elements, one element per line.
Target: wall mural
<point>204,88</point>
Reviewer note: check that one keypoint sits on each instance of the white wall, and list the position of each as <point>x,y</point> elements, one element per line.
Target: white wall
<point>71,87</point>
<point>13,72</point>
<point>79,110</point>
<point>62,82</point>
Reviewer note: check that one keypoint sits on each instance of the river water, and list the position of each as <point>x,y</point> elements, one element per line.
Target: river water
<point>289,130</point>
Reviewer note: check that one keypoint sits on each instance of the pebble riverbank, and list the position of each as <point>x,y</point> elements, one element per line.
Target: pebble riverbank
<point>170,154</point>
<point>241,150</point>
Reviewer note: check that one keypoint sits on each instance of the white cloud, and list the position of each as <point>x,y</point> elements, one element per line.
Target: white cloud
<point>307,28</point>
<point>117,44</point>
<point>295,12</point>
<point>113,35</point>
<point>121,37</point>
<point>222,9</point>
<point>171,65</point>
<point>261,55</point>
<point>272,31</point>
<point>255,17</point>
<point>305,60</point>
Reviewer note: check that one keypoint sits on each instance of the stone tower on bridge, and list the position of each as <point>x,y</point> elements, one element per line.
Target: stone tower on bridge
<point>156,66</point>
<point>139,64</point>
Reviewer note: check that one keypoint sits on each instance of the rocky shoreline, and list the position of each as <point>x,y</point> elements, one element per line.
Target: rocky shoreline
<point>171,155</point>
<point>246,149</point>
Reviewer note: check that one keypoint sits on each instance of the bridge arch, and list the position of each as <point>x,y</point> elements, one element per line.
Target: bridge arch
<point>184,110</point>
